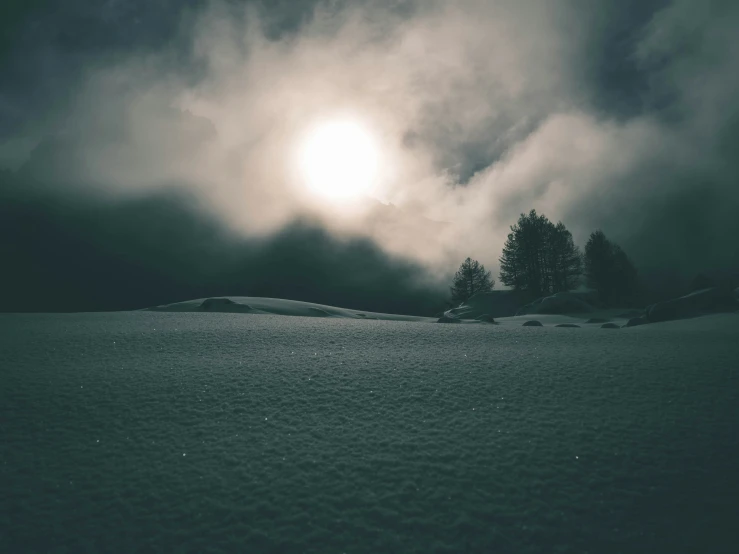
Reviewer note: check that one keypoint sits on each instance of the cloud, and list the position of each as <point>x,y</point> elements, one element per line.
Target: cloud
<point>83,254</point>
<point>622,118</point>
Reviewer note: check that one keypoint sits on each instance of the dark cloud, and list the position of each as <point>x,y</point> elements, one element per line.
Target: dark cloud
<point>76,253</point>
<point>619,115</point>
<point>618,84</point>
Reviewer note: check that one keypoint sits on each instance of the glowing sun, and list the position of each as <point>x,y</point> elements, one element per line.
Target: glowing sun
<point>339,160</point>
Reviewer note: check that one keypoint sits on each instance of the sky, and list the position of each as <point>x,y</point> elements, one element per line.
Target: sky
<point>183,118</point>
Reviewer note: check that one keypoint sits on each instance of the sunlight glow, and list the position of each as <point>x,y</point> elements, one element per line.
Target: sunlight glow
<point>339,160</point>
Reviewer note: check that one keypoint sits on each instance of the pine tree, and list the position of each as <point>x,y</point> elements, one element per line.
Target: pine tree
<point>540,257</point>
<point>565,260</point>
<point>609,271</point>
<point>470,279</point>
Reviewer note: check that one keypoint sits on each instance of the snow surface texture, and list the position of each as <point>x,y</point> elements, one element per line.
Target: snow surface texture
<point>193,432</point>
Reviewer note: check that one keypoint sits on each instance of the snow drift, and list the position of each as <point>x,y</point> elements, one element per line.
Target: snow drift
<point>497,303</point>
<point>276,306</point>
<point>700,302</point>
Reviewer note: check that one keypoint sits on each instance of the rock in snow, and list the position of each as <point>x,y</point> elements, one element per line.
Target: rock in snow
<point>567,325</point>
<point>533,323</point>
<point>609,326</point>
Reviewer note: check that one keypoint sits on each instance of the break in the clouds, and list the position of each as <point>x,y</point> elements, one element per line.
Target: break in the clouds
<point>612,115</point>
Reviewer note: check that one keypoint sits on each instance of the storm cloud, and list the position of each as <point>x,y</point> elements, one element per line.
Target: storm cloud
<point>622,116</point>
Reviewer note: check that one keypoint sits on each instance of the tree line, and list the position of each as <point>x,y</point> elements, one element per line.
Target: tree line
<point>541,258</point>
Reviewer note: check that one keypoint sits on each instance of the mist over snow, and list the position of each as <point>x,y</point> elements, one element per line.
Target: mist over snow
<point>616,115</point>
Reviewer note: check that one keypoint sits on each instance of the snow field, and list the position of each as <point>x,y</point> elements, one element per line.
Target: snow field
<point>230,432</point>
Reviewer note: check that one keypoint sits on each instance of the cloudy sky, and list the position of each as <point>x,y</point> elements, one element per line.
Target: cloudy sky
<point>617,114</point>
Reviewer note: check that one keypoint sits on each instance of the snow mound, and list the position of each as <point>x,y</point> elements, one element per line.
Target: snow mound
<point>276,306</point>
<point>486,318</point>
<point>447,319</point>
<point>223,305</point>
<point>700,302</point>
<point>560,303</point>
<point>497,303</point>
<point>636,321</point>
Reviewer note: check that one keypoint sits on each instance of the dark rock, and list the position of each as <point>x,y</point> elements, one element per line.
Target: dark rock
<point>609,326</point>
<point>634,321</point>
<point>567,325</point>
<point>597,320</point>
<point>447,319</point>
<point>533,323</point>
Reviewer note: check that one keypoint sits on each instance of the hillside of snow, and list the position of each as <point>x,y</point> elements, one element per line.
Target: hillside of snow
<point>276,306</point>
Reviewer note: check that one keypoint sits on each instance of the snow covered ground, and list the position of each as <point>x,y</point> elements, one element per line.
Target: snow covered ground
<point>191,432</point>
<point>277,306</point>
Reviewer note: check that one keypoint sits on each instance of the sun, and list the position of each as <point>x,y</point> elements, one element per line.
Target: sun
<point>339,160</point>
